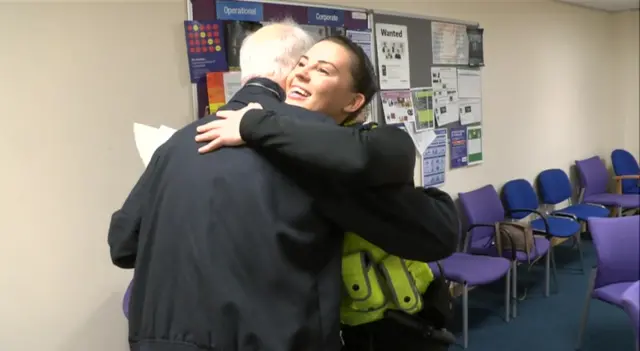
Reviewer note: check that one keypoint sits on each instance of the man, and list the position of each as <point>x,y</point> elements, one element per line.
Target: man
<point>229,253</point>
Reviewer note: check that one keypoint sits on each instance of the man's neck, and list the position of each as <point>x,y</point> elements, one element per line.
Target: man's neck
<point>267,84</point>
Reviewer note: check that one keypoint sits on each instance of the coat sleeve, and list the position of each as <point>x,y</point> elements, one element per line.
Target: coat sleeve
<point>384,155</point>
<point>413,223</point>
<point>124,228</point>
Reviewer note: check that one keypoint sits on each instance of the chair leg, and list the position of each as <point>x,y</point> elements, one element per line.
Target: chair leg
<point>554,270</point>
<point>514,288</point>
<point>507,296</point>
<point>585,310</point>
<point>465,316</point>
<point>578,241</point>
<point>547,269</point>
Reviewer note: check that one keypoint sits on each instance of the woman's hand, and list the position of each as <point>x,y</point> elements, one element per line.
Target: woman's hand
<point>224,131</point>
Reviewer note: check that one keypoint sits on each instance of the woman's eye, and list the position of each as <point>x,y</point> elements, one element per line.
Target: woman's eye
<point>300,64</point>
<point>323,71</point>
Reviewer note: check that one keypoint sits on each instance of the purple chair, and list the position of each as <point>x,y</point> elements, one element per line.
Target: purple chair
<point>631,305</point>
<point>483,209</point>
<point>616,241</point>
<point>126,299</point>
<point>594,179</point>
<point>469,271</point>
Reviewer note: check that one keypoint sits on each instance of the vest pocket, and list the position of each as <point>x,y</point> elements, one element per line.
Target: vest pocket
<point>361,282</point>
<point>401,285</point>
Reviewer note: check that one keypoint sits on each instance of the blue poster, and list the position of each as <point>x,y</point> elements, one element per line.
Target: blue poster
<point>458,142</point>
<point>205,48</point>
<point>325,17</point>
<point>434,160</point>
<point>239,11</point>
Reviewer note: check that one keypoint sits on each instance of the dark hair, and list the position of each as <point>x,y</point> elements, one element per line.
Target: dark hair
<point>363,74</point>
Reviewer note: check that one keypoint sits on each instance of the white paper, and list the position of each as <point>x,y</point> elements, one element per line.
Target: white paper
<point>231,83</point>
<point>469,84</point>
<point>434,160</point>
<point>421,139</point>
<point>392,46</point>
<point>444,78</point>
<point>444,81</point>
<point>397,106</point>
<point>470,111</point>
<point>363,39</point>
<point>449,43</point>
<point>149,138</point>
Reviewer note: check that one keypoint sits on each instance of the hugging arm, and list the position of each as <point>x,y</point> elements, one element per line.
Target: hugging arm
<point>413,223</point>
<point>384,155</point>
<point>124,228</point>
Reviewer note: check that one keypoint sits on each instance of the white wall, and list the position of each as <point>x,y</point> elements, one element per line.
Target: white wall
<point>626,30</point>
<point>74,76</point>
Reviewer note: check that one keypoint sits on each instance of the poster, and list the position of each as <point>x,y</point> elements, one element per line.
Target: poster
<point>392,47</point>
<point>422,99</point>
<point>396,105</point>
<point>236,32</point>
<point>476,47</point>
<point>221,86</point>
<point>320,32</point>
<point>449,43</point>
<point>444,81</point>
<point>458,147</point>
<point>205,48</point>
<point>434,160</point>
<point>363,39</point>
<point>474,145</point>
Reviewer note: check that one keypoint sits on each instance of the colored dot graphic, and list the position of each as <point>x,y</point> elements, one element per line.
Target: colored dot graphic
<point>203,38</point>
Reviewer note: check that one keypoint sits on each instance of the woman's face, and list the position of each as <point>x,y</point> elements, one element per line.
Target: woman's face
<point>322,82</point>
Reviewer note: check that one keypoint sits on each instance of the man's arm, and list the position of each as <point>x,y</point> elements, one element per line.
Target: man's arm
<point>384,155</point>
<point>125,222</point>
<point>413,223</point>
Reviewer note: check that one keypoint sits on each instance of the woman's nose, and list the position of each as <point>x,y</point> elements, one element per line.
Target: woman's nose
<point>303,74</point>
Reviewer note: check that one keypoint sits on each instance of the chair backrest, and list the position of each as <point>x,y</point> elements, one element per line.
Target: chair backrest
<point>482,206</point>
<point>554,186</point>
<point>616,241</point>
<point>625,164</point>
<point>594,177</point>
<point>519,194</point>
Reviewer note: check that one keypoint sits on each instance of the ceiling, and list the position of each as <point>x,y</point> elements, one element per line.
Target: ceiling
<point>607,5</point>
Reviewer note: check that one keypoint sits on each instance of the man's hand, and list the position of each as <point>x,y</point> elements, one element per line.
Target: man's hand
<point>225,131</point>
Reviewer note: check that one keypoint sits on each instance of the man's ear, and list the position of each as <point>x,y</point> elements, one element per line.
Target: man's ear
<point>356,103</point>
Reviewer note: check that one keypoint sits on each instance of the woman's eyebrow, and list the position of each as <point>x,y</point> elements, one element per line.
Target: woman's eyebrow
<point>329,63</point>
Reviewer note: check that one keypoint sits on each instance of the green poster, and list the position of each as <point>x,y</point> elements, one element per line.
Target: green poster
<point>474,145</point>
<point>423,107</point>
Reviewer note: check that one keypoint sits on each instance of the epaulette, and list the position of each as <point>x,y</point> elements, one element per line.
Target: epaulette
<point>369,125</point>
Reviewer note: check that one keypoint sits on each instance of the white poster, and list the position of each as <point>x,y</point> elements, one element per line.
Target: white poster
<point>449,43</point>
<point>232,83</point>
<point>444,81</point>
<point>392,46</point>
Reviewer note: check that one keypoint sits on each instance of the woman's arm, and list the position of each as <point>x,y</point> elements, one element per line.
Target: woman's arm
<point>370,157</point>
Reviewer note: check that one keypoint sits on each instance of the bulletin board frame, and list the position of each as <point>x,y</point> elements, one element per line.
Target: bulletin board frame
<point>421,60</point>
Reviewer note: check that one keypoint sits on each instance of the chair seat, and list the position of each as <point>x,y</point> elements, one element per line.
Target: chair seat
<point>584,211</point>
<point>622,200</point>
<point>558,226</point>
<point>475,270</point>
<point>485,247</point>
<point>612,293</point>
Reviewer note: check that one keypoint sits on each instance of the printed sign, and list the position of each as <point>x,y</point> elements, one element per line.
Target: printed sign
<point>239,11</point>
<point>325,17</point>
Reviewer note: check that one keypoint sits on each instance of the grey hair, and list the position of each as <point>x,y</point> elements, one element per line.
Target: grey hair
<point>276,57</point>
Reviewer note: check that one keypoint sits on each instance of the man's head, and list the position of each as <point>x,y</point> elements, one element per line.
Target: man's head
<point>273,50</point>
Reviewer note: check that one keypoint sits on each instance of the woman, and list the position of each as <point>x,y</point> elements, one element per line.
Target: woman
<point>335,77</point>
